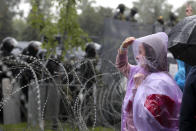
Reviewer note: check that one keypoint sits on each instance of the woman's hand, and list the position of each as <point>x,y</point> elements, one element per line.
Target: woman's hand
<point>138,78</point>
<point>128,41</point>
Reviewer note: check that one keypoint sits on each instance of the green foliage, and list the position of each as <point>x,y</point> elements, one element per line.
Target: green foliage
<point>65,126</point>
<point>84,4</point>
<point>6,15</point>
<point>36,18</point>
<point>68,25</point>
<point>44,24</point>
<point>92,20</point>
<point>40,23</point>
<point>49,31</point>
<point>20,26</point>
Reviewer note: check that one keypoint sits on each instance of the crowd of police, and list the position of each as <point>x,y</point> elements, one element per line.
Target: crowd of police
<point>160,25</point>
<point>44,67</point>
<point>120,14</point>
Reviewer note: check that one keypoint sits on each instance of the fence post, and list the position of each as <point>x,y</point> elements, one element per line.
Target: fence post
<point>11,109</point>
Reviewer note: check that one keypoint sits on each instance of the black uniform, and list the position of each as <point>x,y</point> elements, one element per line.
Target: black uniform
<point>7,45</point>
<point>120,15</point>
<point>131,16</point>
<point>188,106</point>
<point>31,50</point>
<point>87,70</point>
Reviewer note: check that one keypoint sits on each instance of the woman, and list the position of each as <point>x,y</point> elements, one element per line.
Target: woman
<point>152,99</point>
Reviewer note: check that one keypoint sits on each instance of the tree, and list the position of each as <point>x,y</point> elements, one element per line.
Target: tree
<point>92,20</point>
<point>84,4</point>
<point>6,15</point>
<point>43,24</point>
<point>35,20</point>
<point>149,10</point>
<point>40,23</point>
<point>68,25</point>
<point>19,26</point>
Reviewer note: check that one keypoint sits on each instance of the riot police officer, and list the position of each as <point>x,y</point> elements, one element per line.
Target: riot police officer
<point>131,16</point>
<point>32,49</point>
<point>120,14</point>
<point>159,25</point>
<point>6,47</point>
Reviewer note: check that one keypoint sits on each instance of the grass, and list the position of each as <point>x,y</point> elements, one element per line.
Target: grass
<point>23,127</point>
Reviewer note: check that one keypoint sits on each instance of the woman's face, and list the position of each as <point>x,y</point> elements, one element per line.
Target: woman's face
<point>141,51</point>
<point>189,11</point>
<point>141,55</point>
